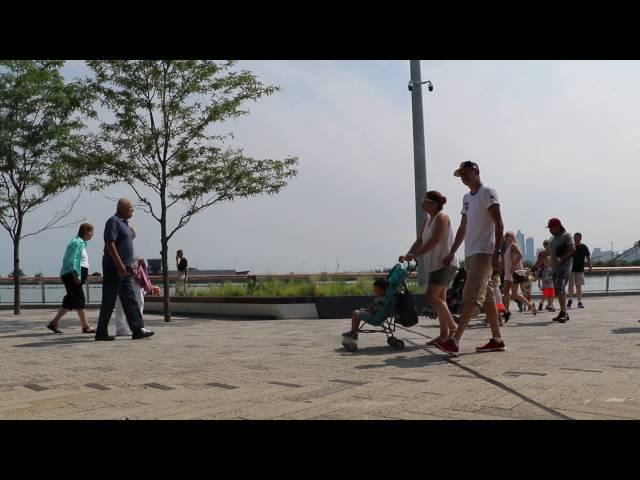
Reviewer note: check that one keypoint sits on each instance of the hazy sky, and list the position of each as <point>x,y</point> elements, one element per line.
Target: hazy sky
<point>556,138</point>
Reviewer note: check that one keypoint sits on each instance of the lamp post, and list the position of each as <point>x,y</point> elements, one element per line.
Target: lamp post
<point>419,151</point>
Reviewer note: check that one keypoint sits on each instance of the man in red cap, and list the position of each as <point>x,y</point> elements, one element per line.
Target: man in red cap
<point>481,229</point>
<point>561,248</point>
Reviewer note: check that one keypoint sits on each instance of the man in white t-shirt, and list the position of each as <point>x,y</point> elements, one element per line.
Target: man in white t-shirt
<point>481,229</point>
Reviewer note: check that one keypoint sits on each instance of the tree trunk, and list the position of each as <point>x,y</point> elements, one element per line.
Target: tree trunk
<point>165,264</point>
<point>165,274</point>
<point>16,275</point>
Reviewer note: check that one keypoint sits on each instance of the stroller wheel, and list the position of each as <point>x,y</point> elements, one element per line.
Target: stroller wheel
<point>398,345</point>
<point>391,341</point>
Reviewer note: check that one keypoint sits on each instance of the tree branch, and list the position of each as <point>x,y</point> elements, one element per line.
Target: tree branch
<point>59,215</point>
<point>191,211</point>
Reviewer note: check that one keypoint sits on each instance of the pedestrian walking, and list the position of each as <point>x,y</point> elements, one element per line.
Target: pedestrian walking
<point>576,279</point>
<point>561,248</point>
<point>433,244</point>
<point>481,229</point>
<point>512,279</point>
<point>74,273</point>
<point>117,278</point>
<point>182,265</point>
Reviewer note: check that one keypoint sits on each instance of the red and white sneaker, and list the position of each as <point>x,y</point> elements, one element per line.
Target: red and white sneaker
<point>448,346</point>
<point>493,346</point>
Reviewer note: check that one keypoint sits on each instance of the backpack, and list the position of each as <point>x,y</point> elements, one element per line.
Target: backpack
<point>406,314</point>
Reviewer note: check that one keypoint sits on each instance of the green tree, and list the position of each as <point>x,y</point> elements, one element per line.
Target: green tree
<point>161,140</point>
<point>41,140</point>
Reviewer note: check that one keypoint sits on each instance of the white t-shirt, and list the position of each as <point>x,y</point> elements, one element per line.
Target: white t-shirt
<point>481,231</point>
<point>84,262</point>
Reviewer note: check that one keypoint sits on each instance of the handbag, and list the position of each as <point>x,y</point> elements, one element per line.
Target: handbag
<point>518,277</point>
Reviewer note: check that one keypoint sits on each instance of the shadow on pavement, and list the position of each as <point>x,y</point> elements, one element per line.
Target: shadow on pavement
<point>531,324</point>
<point>68,340</point>
<point>404,362</point>
<point>622,331</point>
<point>29,335</point>
<point>372,351</point>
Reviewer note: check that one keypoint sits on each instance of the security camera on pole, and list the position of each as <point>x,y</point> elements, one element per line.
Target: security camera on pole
<point>419,160</point>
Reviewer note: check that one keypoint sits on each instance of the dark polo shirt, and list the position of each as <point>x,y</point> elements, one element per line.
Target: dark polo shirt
<point>117,230</point>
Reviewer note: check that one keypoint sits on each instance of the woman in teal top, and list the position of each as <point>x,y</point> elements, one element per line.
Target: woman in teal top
<point>72,276</point>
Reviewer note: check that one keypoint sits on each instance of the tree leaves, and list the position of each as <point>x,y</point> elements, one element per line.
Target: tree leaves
<point>41,139</point>
<point>164,110</point>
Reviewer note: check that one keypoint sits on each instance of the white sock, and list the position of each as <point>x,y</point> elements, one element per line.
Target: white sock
<point>497,339</point>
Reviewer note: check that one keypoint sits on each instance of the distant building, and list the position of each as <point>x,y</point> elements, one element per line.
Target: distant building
<point>520,240</point>
<point>529,255</point>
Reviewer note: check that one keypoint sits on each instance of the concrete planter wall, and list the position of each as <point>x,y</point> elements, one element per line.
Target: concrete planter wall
<point>245,307</point>
<point>342,307</point>
<point>268,307</point>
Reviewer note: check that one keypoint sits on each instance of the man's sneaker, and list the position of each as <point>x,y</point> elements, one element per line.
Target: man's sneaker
<point>507,316</point>
<point>540,306</point>
<point>493,346</point>
<point>580,305</point>
<point>551,308</point>
<point>569,303</point>
<point>351,334</point>
<point>562,317</point>
<point>448,346</point>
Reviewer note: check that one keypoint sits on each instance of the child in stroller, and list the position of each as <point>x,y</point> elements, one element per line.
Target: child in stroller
<point>392,303</point>
<point>366,314</point>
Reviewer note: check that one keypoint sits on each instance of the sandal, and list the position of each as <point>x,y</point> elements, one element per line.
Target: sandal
<point>53,329</point>
<point>88,330</point>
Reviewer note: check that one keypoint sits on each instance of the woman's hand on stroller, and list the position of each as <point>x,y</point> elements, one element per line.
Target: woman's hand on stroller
<point>406,258</point>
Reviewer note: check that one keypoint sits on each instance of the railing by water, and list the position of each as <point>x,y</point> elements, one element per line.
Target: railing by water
<point>50,290</point>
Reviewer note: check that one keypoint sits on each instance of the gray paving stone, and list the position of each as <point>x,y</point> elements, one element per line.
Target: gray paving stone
<point>199,368</point>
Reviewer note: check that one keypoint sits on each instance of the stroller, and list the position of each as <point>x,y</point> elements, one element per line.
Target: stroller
<point>398,307</point>
<point>454,297</point>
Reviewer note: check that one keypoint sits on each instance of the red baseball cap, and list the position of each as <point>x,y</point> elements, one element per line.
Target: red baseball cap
<point>554,222</point>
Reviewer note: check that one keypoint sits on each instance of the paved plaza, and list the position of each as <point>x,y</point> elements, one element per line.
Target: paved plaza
<point>200,368</point>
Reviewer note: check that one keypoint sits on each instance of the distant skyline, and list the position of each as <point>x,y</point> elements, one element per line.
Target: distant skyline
<point>554,138</point>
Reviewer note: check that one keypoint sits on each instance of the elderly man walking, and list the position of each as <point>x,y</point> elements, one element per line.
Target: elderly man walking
<point>117,280</point>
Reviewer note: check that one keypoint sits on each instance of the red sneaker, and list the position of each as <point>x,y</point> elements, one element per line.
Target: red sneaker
<point>492,346</point>
<point>447,346</point>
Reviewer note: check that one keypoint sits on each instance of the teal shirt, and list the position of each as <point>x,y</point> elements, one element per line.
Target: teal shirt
<point>73,256</point>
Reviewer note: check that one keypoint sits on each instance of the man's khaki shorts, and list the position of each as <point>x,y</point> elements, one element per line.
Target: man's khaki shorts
<point>478,289</point>
<point>576,278</point>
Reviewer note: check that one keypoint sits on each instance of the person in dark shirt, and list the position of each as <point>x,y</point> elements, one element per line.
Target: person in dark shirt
<point>577,273</point>
<point>117,279</point>
<point>183,269</point>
